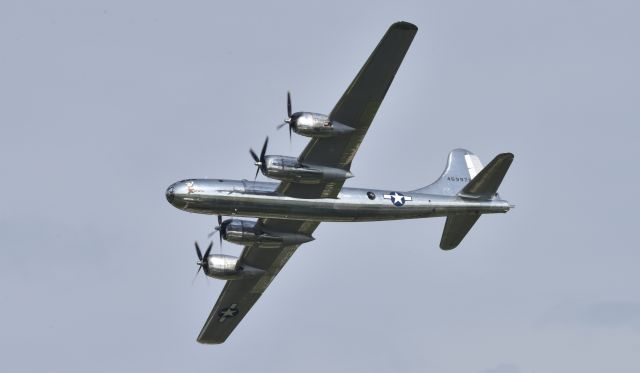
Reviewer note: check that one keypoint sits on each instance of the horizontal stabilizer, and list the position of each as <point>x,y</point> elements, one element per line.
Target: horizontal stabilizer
<point>456,227</point>
<point>486,183</point>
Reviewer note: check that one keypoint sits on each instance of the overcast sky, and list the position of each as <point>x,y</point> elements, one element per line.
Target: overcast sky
<point>103,104</point>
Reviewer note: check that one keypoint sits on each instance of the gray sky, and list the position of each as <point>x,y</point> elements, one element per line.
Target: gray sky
<point>103,104</point>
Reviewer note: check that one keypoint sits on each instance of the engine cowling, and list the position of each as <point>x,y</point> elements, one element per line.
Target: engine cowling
<point>289,169</point>
<point>226,267</point>
<point>247,233</point>
<point>317,125</point>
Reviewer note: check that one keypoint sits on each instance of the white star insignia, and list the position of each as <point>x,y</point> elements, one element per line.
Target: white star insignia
<point>228,312</point>
<point>398,199</point>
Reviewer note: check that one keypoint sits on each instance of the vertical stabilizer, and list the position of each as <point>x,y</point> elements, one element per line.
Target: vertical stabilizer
<point>462,166</point>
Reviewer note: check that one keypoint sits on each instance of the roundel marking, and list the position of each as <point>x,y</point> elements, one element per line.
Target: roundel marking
<point>398,199</point>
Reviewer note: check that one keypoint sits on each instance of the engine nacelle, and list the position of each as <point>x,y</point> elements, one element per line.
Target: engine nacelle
<point>246,232</point>
<point>226,267</point>
<point>317,125</point>
<point>289,169</point>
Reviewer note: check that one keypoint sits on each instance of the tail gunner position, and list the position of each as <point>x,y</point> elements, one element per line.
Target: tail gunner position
<point>311,191</point>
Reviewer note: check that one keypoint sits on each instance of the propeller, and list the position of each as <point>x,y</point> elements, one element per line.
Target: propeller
<point>289,120</point>
<point>202,259</point>
<point>260,161</point>
<point>219,228</point>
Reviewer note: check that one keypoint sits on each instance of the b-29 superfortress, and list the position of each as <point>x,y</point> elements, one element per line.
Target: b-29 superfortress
<point>310,190</point>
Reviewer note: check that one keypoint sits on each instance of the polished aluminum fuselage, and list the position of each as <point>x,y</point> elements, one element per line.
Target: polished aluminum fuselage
<point>261,200</point>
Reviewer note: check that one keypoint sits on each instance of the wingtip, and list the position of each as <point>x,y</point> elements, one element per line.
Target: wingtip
<point>208,341</point>
<point>508,157</point>
<point>403,25</point>
<point>447,247</point>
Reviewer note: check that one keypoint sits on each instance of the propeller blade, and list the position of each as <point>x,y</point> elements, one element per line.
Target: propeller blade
<point>201,263</point>
<point>264,150</point>
<point>289,104</point>
<point>281,125</point>
<point>260,160</point>
<point>290,133</point>
<point>198,251</point>
<point>206,253</point>
<point>254,155</point>
<point>220,220</point>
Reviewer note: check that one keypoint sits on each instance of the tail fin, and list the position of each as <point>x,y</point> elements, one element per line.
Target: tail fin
<point>465,177</point>
<point>462,167</point>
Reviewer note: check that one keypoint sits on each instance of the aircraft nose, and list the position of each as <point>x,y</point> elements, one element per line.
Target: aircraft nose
<point>170,193</point>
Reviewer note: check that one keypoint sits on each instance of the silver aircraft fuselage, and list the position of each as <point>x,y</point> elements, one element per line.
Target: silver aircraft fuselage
<point>261,200</point>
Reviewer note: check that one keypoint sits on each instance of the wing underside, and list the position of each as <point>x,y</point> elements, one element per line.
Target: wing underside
<point>356,108</point>
<point>238,296</point>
